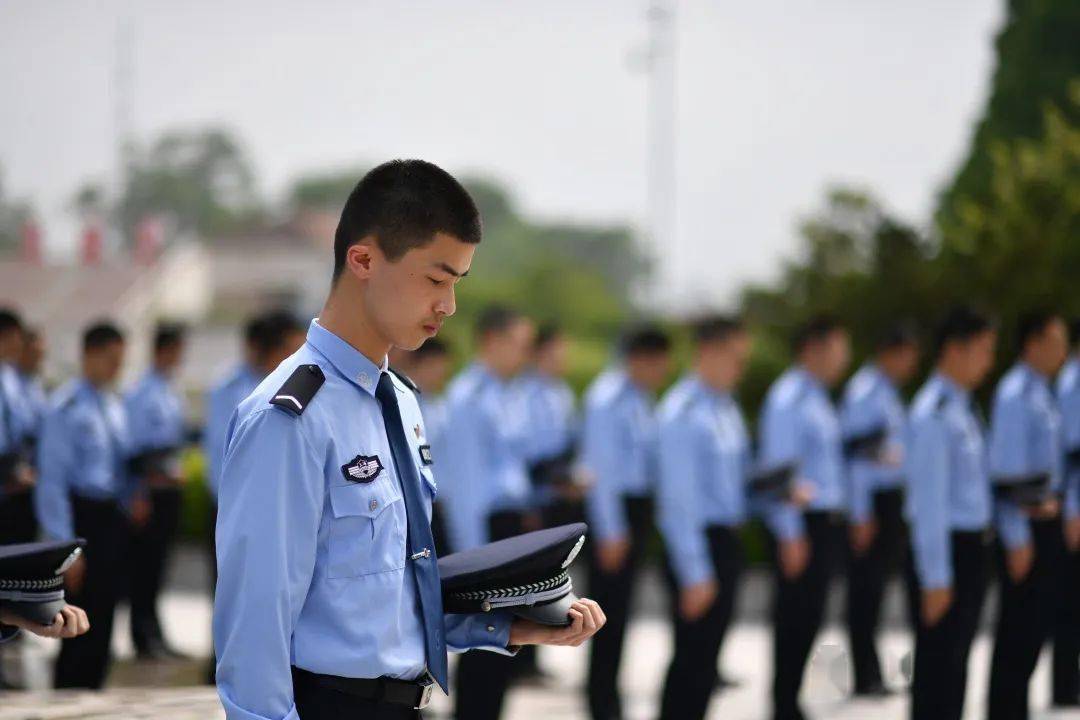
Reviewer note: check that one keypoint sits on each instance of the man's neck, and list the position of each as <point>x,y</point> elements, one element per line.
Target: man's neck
<point>950,374</point>
<point>347,318</point>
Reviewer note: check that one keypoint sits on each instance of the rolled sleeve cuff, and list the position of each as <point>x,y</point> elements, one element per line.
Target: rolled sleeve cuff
<point>786,522</point>
<point>235,712</point>
<point>1013,527</point>
<point>935,576</point>
<point>486,631</point>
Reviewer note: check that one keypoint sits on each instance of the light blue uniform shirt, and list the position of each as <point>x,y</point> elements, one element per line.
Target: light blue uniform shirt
<point>1025,439</point>
<point>1068,391</point>
<point>553,425</point>
<point>871,401</point>
<point>313,567</point>
<point>948,482</point>
<point>155,414</point>
<point>704,460</point>
<point>221,401</point>
<point>618,449</point>
<point>83,450</point>
<point>15,412</point>
<point>36,402</point>
<point>485,444</point>
<point>800,426</point>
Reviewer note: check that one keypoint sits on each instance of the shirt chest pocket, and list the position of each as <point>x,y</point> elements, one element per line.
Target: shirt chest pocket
<point>368,531</point>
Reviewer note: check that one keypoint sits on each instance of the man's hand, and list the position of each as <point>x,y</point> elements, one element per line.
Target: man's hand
<point>586,616</point>
<point>802,494</point>
<point>695,600</point>
<point>73,577</point>
<point>611,555</point>
<point>862,536</point>
<point>794,555</point>
<point>1018,562</point>
<point>1047,510</point>
<point>70,622</point>
<point>140,510</point>
<point>935,603</point>
<point>1072,534</point>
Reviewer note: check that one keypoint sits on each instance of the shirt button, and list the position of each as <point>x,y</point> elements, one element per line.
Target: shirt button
<point>373,504</point>
<point>491,628</point>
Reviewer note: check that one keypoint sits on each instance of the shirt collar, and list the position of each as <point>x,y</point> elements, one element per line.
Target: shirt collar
<point>350,362</point>
<point>951,388</point>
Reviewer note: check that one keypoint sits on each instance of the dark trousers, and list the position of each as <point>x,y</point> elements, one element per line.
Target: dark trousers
<point>1024,623</point>
<point>150,549</point>
<point>84,661</point>
<point>941,651</point>
<point>1066,632</point>
<point>867,576</point>
<point>482,677</point>
<point>691,676</point>
<point>799,610</point>
<point>613,592</point>
<point>317,702</point>
<point>17,520</point>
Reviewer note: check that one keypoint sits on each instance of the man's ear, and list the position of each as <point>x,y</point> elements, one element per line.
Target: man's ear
<point>362,257</point>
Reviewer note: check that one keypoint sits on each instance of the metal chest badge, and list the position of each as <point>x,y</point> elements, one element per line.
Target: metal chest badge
<point>362,468</point>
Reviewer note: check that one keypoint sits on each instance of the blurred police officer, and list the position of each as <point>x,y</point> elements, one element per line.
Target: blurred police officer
<point>701,504</point>
<point>485,475</point>
<point>84,491</point>
<point>429,367</point>
<point>329,601</point>
<point>875,498</point>
<point>800,427</point>
<point>618,451</point>
<point>1025,441</point>
<point>156,416</point>
<point>29,367</point>
<point>17,428</point>
<point>949,512</point>
<point>1066,672</point>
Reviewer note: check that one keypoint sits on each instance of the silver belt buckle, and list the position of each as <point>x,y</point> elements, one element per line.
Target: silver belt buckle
<point>425,696</point>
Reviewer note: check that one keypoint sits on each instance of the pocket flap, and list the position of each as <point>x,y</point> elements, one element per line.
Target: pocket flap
<point>359,499</point>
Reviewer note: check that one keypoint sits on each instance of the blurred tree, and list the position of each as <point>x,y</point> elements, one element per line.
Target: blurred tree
<point>1038,55</point>
<point>13,213</point>
<point>202,179</point>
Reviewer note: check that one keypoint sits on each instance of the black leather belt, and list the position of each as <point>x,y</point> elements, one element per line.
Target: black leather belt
<point>410,693</point>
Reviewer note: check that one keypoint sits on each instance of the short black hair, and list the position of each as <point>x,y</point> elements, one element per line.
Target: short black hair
<point>272,329</point>
<point>496,319</point>
<point>9,320</point>
<point>101,334</point>
<point>252,329</point>
<point>403,204</point>
<point>546,334</point>
<point>960,324</point>
<point>645,339</point>
<point>432,348</point>
<point>896,335</point>
<point>168,335</point>
<point>1032,324</point>
<point>816,329</point>
<point>716,328</point>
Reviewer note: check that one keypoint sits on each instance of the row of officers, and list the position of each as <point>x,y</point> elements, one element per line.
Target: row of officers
<point>928,492</point>
<point>869,484</point>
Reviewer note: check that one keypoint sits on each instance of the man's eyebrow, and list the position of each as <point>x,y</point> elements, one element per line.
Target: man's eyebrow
<point>451,271</point>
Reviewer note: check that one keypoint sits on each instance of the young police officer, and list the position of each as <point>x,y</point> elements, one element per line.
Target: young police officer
<point>328,601</point>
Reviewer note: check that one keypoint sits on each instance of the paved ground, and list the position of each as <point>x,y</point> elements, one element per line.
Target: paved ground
<point>746,658</point>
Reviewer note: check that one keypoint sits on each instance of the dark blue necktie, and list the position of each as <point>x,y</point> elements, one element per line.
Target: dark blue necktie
<point>419,544</point>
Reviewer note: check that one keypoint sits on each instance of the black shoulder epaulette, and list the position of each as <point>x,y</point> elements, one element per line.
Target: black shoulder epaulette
<point>299,389</point>
<point>405,379</point>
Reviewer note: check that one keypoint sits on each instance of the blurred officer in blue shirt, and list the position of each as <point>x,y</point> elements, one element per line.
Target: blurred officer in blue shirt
<point>800,427</point>
<point>949,512</point>
<point>1025,441</point>
<point>1066,672</point>
<point>17,428</point>
<point>618,453</point>
<point>329,602</point>
<point>554,429</point>
<point>872,406</point>
<point>157,419</point>
<point>485,476</point>
<point>33,391</point>
<point>429,367</point>
<point>84,490</point>
<point>701,505</point>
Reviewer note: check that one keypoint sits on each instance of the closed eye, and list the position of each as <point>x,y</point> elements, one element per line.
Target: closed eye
<point>436,282</point>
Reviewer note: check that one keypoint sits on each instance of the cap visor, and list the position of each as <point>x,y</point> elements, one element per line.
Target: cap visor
<point>40,612</point>
<point>554,613</point>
